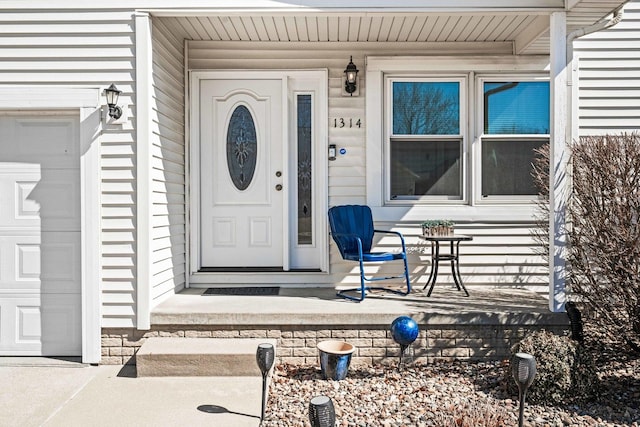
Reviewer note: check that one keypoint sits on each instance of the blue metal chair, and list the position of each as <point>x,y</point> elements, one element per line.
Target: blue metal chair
<point>352,230</point>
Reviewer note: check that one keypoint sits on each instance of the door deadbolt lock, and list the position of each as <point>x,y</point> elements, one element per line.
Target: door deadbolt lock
<point>278,174</point>
<point>279,187</point>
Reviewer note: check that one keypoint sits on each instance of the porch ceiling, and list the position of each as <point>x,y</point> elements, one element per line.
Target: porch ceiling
<point>527,29</point>
<point>354,28</point>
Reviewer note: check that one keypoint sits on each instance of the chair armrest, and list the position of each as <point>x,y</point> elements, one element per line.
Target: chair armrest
<point>393,232</point>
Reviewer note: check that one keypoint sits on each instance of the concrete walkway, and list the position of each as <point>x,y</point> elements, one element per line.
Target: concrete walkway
<point>49,392</point>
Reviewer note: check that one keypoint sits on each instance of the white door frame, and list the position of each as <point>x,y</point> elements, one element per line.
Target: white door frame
<point>321,163</point>
<point>85,103</point>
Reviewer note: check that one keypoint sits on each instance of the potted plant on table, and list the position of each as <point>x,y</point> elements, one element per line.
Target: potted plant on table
<point>437,227</point>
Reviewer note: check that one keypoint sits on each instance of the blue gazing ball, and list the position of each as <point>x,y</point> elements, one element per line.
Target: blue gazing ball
<point>404,330</point>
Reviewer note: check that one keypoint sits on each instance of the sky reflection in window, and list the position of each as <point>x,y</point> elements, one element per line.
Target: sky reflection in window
<point>426,108</point>
<point>516,108</point>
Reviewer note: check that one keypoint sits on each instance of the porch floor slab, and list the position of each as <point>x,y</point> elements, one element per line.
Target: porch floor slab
<point>321,306</point>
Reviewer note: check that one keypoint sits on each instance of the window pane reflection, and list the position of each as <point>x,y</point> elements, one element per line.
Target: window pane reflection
<point>426,108</point>
<point>421,168</point>
<point>516,108</point>
<point>507,167</point>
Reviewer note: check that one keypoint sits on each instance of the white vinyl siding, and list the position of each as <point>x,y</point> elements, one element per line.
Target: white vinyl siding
<point>347,173</point>
<point>501,254</point>
<point>78,48</point>
<point>168,230</point>
<point>609,76</point>
<point>95,49</point>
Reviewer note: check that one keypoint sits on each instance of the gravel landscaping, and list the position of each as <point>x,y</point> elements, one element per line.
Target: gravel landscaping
<point>449,394</point>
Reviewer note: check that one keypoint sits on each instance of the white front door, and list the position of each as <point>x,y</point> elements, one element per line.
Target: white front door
<point>40,272</point>
<point>241,173</point>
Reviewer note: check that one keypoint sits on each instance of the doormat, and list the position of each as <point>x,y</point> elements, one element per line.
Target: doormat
<point>245,291</point>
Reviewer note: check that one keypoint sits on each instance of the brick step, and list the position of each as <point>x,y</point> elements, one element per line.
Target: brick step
<point>189,357</point>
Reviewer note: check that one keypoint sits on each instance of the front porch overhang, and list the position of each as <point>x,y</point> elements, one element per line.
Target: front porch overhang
<point>530,28</point>
<point>525,26</point>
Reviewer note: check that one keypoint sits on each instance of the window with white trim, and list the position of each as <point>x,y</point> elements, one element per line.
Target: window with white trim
<point>515,122</point>
<point>425,145</point>
<point>427,158</point>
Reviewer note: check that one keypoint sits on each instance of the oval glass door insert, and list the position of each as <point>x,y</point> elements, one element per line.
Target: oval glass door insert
<point>242,147</point>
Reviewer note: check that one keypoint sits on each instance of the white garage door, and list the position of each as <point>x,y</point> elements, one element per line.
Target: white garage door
<point>40,306</point>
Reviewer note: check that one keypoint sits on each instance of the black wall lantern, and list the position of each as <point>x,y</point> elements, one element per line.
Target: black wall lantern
<point>112,93</point>
<point>350,77</point>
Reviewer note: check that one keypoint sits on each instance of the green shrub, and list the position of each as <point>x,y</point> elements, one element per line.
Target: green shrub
<point>565,369</point>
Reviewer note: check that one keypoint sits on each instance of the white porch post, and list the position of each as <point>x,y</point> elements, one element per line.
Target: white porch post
<point>558,180</point>
<point>144,79</point>
<point>91,232</point>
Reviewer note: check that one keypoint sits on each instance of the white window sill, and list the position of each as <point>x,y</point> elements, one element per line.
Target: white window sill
<point>484,213</point>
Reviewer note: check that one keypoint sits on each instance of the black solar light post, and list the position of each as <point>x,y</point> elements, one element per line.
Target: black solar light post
<point>265,356</point>
<point>523,368</point>
<point>321,412</point>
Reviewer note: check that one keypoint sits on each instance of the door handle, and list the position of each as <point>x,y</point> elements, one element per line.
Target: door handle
<point>279,187</point>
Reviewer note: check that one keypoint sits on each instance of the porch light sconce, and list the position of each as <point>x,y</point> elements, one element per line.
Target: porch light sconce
<point>112,93</point>
<point>350,77</point>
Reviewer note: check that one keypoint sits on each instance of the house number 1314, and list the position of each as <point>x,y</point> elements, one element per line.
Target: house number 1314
<point>341,122</point>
